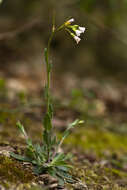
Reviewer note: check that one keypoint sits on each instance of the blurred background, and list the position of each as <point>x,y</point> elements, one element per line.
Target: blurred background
<point>25,27</point>
<point>88,79</point>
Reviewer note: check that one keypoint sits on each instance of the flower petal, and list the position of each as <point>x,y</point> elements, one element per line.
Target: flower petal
<point>82,29</point>
<point>78,32</point>
<point>77,39</point>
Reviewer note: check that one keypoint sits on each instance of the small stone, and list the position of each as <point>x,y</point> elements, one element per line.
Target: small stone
<point>48,179</point>
<point>5,153</point>
<point>54,185</point>
<point>44,176</point>
<point>80,186</point>
<point>41,183</point>
<point>34,184</point>
<point>52,180</point>
<point>5,150</point>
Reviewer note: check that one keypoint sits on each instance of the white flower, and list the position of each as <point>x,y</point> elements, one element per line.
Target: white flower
<point>77,39</point>
<point>82,29</point>
<point>68,22</point>
<point>78,32</point>
<point>71,20</point>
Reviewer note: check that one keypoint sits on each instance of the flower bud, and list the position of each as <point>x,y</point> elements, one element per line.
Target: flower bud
<point>77,39</point>
<point>69,21</point>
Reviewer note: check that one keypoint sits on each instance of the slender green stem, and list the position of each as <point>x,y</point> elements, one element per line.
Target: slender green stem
<point>48,72</point>
<point>48,66</point>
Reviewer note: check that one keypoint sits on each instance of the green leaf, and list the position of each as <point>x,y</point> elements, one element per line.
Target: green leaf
<point>30,153</point>
<point>46,138</point>
<point>47,122</point>
<point>63,168</point>
<point>40,154</point>
<point>50,110</point>
<point>65,175</point>
<point>34,162</point>
<point>49,67</point>
<point>46,92</point>
<point>29,143</point>
<point>66,133</point>
<point>61,181</point>
<point>73,124</point>
<point>68,156</point>
<point>59,156</point>
<point>21,128</point>
<point>38,169</point>
<point>54,141</point>
<point>37,148</point>
<point>19,157</point>
<point>52,171</point>
<point>58,160</point>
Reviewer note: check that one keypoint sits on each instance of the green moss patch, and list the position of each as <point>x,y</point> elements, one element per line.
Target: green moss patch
<point>13,171</point>
<point>98,141</point>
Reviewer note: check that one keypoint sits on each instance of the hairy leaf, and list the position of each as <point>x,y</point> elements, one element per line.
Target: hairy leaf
<point>47,122</point>
<point>29,143</point>
<point>19,157</point>
<point>50,110</point>
<point>67,131</point>
<point>21,128</point>
<point>37,170</point>
<point>59,160</point>
<point>46,92</point>
<point>54,141</point>
<point>46,138</point>
<point>63,168</point>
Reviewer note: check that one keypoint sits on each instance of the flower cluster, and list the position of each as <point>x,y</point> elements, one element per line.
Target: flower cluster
<point>77,30</point>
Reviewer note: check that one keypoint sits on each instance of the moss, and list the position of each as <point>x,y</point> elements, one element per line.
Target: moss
<point>13,171</point>
<point>98,141</point>
<point>116,173</point>
<point>99,177</point>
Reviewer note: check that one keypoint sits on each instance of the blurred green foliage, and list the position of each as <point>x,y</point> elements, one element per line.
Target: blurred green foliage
<point>88,5</point>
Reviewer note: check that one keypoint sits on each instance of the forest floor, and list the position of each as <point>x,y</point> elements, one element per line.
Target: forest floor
<point>99,146</point>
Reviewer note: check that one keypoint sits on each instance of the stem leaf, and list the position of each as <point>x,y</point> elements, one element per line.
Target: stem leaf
<point>67,131</point>
<point>19,157</point>
<point>50,110</point>
<point>47,122</point>
<point>21,128</point>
